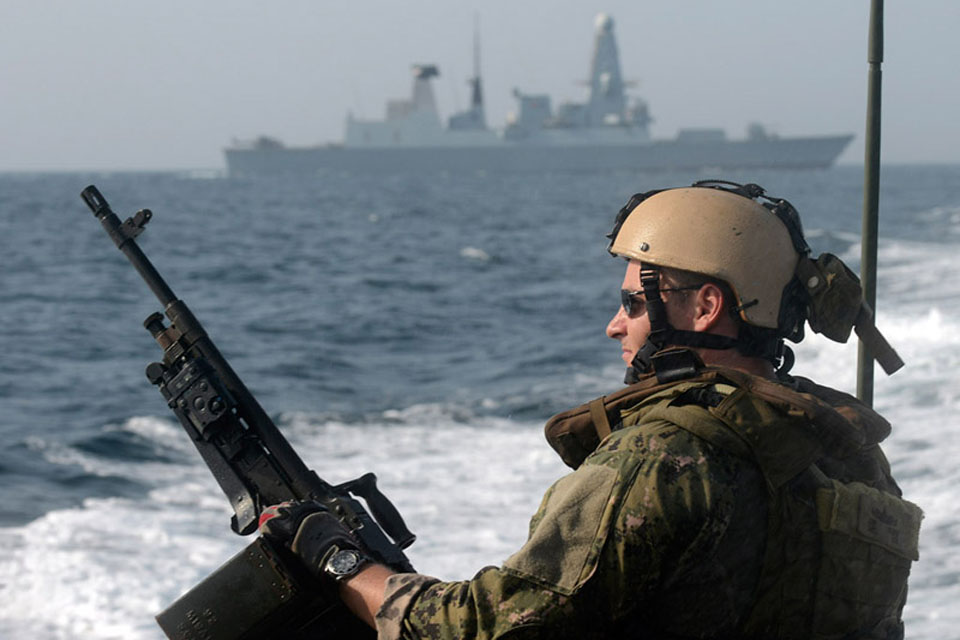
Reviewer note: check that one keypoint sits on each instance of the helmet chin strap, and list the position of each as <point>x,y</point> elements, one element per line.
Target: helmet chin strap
<point>679,363</point>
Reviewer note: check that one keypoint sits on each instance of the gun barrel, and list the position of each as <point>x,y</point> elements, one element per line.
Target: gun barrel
<point>124,239</point>
<point>288,469</point>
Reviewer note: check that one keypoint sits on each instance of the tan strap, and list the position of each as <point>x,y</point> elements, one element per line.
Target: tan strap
<point>575,433</point>
<point>598,414</point>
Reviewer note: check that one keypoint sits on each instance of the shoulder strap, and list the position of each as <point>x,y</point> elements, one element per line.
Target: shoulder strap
<point>598,415</point>
<point>835,433</point>
<point>576,433</point>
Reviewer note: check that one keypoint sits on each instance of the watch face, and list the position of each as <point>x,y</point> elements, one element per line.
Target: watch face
<point>343,563</point>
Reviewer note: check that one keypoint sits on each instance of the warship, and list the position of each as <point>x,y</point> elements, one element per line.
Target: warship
<point>607,132</point>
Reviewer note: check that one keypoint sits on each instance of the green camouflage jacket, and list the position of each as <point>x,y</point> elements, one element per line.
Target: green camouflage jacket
<point>656,530</point>
<point>658,533</point>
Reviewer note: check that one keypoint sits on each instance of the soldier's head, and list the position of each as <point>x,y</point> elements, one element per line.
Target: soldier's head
<point>710,267</point>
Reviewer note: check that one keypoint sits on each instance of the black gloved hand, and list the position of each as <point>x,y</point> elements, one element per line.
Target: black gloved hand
<point>315,536</point>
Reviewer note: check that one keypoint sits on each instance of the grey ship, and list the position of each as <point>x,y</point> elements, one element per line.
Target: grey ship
<point>608,132</point>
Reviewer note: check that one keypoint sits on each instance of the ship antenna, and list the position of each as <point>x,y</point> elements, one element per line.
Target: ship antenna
<point>871,193</point>
<point>476,98</point>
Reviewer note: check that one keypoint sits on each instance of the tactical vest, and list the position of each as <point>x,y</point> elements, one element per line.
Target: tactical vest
<point>840,539</point>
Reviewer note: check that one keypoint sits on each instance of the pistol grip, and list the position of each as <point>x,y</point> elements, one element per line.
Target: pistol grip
<point>381,508</point>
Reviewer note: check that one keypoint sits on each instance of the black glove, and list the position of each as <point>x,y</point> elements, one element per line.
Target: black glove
<point>324,545</point>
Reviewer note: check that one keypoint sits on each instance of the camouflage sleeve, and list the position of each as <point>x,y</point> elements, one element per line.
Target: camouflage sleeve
<point>647,505</point>
<point>402,589</point>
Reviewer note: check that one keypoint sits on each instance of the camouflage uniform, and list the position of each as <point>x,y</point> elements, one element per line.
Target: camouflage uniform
<point>664,531</point>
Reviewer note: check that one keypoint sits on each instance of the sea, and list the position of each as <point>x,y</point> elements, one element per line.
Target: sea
<point>422,327</point>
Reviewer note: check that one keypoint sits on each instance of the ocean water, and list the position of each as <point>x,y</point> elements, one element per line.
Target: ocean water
<point>421,327</point>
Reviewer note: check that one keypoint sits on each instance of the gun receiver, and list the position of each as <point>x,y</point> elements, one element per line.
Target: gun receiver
<point>261,592</point>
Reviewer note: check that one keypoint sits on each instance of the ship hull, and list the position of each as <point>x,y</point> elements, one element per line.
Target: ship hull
<point>786,153</point>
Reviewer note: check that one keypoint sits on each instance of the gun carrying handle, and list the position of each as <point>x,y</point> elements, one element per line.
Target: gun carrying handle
<point>381,508</point>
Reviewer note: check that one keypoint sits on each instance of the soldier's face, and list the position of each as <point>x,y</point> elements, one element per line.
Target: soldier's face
<point>632,331</point>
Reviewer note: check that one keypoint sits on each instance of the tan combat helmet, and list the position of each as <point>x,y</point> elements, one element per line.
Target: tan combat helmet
<point>755,244</point>
<point>716,233</point>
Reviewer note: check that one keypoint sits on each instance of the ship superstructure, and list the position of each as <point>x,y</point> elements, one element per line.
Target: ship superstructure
<point>416,122</point>
<point>605,118</point>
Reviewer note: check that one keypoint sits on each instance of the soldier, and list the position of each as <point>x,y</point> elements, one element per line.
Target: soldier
<point>713,497</point>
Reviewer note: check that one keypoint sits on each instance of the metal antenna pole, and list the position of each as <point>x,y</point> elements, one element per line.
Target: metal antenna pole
<point>871,193</point>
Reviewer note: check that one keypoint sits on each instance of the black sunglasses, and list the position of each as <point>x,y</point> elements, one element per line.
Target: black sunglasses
<point>633,304</point>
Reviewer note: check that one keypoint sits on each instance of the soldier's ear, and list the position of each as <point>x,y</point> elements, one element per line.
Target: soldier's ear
<point>710,307</point>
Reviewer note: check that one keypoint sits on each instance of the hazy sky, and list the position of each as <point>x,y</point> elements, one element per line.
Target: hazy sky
<point>120,84</point>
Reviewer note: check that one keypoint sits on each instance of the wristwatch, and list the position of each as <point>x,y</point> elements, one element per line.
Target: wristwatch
<point>344,563</point>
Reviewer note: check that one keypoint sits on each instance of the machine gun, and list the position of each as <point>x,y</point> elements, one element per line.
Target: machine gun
<point>262,592</point>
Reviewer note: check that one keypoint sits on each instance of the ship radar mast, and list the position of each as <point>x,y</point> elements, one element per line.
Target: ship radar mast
<point>474,117</point>
<point>476,93</point>
<point>607,101</point>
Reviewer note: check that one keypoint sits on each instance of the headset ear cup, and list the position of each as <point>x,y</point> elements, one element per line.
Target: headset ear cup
<point>835,296</point>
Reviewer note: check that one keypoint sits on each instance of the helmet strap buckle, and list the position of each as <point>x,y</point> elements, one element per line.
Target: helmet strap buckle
<point>660,329</point>
<point>656,309</point>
